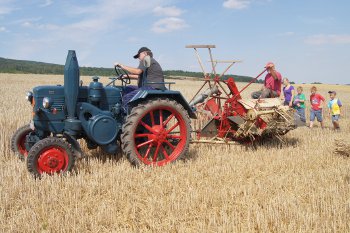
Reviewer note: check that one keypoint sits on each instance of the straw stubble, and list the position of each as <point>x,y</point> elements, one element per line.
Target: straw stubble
<point>299,186</point>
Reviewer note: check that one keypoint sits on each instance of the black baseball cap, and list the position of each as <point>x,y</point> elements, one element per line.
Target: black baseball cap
<point>142,49</point>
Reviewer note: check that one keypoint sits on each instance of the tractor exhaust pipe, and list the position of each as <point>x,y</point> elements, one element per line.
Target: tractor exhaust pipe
<point>200,98</point>
<point>72,125</point>
<point>71,83</point>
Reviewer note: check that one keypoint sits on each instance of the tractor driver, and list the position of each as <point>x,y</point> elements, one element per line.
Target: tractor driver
<point>148,69</point>
<point>272,84</point>
<point>149,74</point>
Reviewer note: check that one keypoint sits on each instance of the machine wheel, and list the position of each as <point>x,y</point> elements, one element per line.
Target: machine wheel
<point>50,155</point>
<point>156,132</point>
<point>18,139</point>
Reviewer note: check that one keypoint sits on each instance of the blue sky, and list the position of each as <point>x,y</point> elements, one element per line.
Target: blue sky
<point>307,40</point>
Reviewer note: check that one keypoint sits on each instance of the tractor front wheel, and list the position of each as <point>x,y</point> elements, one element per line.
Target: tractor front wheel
<point>156,132</point>
<point>50,155</point>
<point>18,141</point>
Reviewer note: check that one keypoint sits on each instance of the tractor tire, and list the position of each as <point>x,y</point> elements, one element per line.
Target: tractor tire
<point>17,141</point>
<point>156,132</point>
<point>50,155</point>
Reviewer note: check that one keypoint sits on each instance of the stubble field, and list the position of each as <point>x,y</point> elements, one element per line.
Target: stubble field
<point>299,186</point>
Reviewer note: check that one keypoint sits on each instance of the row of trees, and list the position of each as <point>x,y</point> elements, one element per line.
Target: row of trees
<point>32,67</point>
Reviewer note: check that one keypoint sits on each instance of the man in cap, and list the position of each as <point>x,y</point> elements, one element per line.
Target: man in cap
<point>149,73</point>
<point>272,83</point>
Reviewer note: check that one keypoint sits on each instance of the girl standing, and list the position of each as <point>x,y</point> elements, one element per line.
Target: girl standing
<point>288,92</point>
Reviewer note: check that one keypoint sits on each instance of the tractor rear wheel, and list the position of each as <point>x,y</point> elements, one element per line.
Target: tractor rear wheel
<point>50,155</point>
<point>156,132</point>
<point>18,139</point>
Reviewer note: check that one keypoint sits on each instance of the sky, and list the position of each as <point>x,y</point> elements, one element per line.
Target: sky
<point>308,40</point>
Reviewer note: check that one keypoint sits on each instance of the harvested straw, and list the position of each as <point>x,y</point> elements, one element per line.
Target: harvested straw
<point>342,148</point>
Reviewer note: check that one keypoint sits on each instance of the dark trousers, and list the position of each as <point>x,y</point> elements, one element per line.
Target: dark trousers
<point>129,92</point>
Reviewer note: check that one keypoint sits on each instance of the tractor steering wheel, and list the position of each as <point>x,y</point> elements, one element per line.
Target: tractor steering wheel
<point>120,73</point>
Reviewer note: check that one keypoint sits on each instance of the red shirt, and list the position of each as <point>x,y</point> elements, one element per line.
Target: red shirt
<point>273,84</point>
<point>315,100</point>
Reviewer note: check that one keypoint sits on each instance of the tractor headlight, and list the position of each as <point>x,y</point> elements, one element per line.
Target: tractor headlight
<point>47,102</point>
<point>29,96</point>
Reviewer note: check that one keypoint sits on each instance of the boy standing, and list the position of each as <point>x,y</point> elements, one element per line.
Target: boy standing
<point>299,104</point>
<point>317,102</point>
<point>334,106</point>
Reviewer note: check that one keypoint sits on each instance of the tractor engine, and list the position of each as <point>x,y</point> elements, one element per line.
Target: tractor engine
<point>91,112</point>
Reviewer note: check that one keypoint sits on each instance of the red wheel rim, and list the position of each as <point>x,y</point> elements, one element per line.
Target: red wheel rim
<point>160,136</point>
<point>21,146</point>
<point>52,160</point>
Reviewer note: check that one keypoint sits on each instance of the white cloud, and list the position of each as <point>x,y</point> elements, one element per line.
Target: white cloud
<point>46,3</point>
<point>168,25</point>
<point>92,21</point>
<point>7,6</point>
<point>327,39</point>
<point>287,34</point>
<point>5,10</point>
<point>27,24</point>
<point>171,11</point>
<point>2,29</point>
<point>236,4</point>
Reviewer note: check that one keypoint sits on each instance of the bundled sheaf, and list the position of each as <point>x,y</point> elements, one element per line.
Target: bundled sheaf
<point>342,148</point>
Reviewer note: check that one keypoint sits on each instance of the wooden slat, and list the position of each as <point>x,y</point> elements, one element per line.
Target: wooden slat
<point>200,46</point>
<point>226,61</point>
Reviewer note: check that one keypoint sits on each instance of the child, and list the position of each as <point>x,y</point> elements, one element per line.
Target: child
<point>334,106</point>
<point>299,104</point>
<point>288,92</point>
<point>317,102</point>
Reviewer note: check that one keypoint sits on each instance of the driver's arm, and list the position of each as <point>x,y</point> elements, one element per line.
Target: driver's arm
<point>132,70</point>
<point>132,76</point>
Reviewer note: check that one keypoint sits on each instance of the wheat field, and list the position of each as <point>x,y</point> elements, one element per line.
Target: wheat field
<point>299,186</point>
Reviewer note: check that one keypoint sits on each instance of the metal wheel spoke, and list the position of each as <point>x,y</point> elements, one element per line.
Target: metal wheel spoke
<point>173,127</point>
<point>148,150</point>
<point>160,117</point>
<point>165,153</point>
<point>144,143</point>
<point>169,144</point>
<point>156,153</point>
<point>152,117</point>
<point>172,136</point>
<point>149,128</point>
<point>167,120</point>
<point>142,135</point>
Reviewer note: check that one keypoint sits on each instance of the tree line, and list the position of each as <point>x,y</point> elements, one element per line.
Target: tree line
<point>33,67</point>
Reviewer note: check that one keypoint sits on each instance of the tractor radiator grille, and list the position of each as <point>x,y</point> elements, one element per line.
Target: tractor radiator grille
<point>58,103</point>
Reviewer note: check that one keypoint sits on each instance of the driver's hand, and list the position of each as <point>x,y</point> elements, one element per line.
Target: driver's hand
<point>117,64</point>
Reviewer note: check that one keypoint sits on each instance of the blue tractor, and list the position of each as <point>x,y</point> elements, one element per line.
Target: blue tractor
<point>153,128</point>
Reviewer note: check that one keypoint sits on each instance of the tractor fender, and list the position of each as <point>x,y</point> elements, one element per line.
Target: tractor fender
<point>175,95</point>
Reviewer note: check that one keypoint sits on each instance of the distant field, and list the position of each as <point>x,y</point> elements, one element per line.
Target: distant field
<point>300,186</point>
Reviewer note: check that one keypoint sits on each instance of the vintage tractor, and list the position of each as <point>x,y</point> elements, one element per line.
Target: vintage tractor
<point>225,117</point>
<point>154,127</point>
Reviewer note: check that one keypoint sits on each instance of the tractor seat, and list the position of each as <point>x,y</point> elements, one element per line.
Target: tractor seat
<point>263,103</point>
